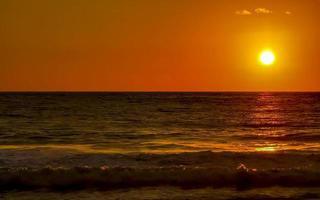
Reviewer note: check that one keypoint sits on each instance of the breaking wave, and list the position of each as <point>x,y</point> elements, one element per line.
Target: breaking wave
<point>105,177</point>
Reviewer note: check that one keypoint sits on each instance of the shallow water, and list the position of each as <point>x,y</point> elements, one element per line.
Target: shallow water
<point>173,193</point>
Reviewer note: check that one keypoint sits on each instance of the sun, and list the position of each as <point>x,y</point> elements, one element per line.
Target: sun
<point>267,57</point>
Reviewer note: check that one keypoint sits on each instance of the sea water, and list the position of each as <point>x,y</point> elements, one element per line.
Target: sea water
<point>248,144</point>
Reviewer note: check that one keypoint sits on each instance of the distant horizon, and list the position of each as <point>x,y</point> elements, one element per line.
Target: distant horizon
<point>160,91</point>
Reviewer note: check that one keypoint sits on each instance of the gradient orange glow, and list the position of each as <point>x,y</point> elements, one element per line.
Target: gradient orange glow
<point>161,45</point>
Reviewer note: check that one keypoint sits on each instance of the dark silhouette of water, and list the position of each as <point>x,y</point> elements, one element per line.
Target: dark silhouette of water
<point>158,122</point>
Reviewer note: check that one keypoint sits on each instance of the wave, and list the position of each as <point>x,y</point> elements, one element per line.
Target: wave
<point>105,177</point>
<point>282,137</point>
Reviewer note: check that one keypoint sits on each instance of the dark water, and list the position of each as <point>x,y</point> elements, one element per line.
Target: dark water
<point>157,122</point>
<point>240,141</point>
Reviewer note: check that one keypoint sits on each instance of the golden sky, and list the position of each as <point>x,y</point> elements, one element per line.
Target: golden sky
<point>159,45</point>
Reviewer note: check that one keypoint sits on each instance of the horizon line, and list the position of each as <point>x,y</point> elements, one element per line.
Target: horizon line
<point>160,91</point>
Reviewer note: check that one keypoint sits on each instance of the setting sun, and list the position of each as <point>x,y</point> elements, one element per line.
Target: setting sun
<point>267,57</point>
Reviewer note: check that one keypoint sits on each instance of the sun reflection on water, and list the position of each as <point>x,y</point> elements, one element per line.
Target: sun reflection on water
<point>267,148</point>
<point>267,115</point>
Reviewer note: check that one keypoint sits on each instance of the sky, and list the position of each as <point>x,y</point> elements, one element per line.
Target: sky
<point>159,45</point>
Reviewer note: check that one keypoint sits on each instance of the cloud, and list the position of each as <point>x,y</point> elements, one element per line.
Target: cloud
<point>243,12</point>
<point>259,11</point>
<point>288,12</point>
<point>262,11</point>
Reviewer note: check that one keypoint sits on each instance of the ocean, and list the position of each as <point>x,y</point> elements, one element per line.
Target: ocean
<point>219,145</point>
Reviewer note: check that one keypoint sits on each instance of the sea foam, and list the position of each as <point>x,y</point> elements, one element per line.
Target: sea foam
<point>105,177</point>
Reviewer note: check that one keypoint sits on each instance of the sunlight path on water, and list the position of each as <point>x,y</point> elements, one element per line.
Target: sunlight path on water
<point>181,147</point>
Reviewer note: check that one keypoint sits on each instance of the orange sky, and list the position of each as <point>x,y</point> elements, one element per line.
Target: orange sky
<point>158,45</point>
